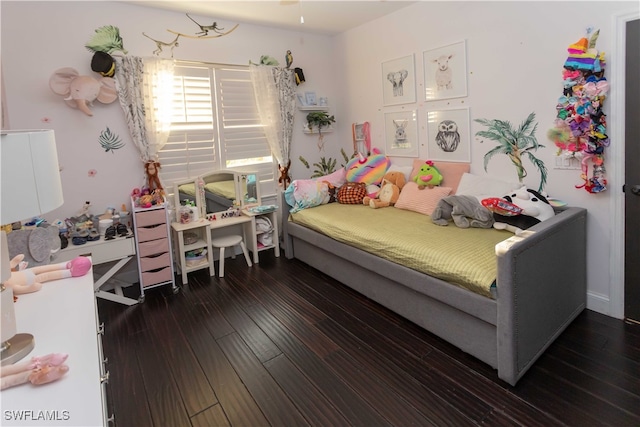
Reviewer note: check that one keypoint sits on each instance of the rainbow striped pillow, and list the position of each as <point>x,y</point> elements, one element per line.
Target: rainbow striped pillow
<point>369,170</point>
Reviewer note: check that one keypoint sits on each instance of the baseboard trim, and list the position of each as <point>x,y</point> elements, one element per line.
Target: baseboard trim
<point>599,303</point>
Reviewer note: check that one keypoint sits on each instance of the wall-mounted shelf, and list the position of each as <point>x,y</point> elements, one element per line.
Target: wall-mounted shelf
<point>313,107</point>
<point>314,131</point>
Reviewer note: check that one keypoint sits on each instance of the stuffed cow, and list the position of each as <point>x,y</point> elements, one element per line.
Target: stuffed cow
<point>534,209</point>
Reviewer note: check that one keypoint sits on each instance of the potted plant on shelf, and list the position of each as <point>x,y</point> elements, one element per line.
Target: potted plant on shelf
<point>318,119</point>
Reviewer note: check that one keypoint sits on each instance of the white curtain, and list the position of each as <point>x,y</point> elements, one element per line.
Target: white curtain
<point>144,87</point>
<point>274,88</point>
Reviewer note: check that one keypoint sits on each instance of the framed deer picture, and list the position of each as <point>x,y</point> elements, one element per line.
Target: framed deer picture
<point>399,81</point>
<point>401,133</point>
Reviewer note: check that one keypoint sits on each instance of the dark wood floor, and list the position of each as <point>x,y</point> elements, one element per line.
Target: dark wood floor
<point>282,344</point>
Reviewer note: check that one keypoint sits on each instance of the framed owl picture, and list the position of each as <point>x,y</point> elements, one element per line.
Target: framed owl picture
<point>448,135</point>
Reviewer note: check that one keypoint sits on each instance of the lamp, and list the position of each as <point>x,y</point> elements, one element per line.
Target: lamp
<point>30,186</point>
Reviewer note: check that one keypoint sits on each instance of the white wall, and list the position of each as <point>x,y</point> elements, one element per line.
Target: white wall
<point>40,37</point>
<point>515,54</point>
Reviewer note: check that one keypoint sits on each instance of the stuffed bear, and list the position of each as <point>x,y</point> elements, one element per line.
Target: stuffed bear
<point>535,208</point>
<point>392,183</point>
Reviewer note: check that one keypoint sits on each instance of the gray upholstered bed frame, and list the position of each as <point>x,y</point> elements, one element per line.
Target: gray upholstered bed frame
<point>541,288</point>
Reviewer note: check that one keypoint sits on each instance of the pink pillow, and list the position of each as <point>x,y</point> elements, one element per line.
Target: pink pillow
<point>423,201</point>
<point>451,172</point>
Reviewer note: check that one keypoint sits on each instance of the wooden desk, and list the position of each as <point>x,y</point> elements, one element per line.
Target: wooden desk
<point>62,317</point>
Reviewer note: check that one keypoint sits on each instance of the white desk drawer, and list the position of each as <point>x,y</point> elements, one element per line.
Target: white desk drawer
<point>101,251</point>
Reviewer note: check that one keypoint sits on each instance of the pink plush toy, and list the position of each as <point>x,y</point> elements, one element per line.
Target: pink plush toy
<point>80,91</point>
<point>38,370</point>
<point>29,280</point>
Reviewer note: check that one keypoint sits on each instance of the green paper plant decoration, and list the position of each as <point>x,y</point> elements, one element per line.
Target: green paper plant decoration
<point>319,119</point>
<point>515,144</point>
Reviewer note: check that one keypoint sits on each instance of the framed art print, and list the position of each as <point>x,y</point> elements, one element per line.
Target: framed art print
<point>399,81</point>
<point>401,133</point>
<point>448,137</point>
<point>310,98</point>
<point>445,72</point>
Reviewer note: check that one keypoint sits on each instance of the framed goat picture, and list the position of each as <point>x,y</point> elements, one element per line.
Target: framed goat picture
<point>445,72</point>
<point>399,81</point>
<point>401,133</point>
<point>448,135</point>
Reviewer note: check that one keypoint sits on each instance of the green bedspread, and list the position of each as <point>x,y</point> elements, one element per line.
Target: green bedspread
<point>225,189</point>
<point>462,256</point>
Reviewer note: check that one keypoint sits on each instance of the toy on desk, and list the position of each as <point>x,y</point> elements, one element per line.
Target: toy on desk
<point>26,280</point>
<point>38,370</point>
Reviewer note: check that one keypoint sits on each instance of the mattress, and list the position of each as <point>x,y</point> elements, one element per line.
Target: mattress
<point>462,256</point>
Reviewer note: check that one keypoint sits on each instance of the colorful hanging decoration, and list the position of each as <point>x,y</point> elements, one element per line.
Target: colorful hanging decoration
<point>580,127</point>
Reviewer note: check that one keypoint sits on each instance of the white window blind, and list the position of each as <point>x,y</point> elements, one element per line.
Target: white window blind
<point>215,125</point>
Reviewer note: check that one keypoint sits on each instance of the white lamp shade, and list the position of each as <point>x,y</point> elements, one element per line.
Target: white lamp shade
<point>30,175</point>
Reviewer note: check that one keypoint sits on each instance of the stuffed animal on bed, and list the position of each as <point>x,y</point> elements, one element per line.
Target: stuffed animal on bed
<point>369,170</point>
<point>532,206</point>
<point>428,176</point>
<point>388,195</point>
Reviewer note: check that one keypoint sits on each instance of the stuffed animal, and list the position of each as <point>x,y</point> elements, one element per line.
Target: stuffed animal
<point>369,170</point>
<point>535,208</point>
<point>80,91</point>
<point>27,280</point>
<point>428,176</point>
<point>151,169</point>
<point>388,195</point>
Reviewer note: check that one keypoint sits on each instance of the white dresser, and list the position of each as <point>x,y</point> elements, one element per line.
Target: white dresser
<point>63,318</point>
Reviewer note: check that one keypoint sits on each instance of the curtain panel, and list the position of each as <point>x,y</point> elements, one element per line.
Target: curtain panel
<point>144,88</point>
<point>274,88</point>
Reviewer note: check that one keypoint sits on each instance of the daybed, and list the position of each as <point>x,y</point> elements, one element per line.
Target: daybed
<point>539,287</point>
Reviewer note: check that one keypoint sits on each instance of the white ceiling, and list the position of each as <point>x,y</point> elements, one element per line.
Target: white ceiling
<point>323,17</point>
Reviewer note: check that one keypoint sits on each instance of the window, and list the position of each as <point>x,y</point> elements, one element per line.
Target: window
<point>215,125</point>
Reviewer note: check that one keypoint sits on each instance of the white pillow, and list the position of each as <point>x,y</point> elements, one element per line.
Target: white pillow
<point>406,171</point>
<point>483,187</point>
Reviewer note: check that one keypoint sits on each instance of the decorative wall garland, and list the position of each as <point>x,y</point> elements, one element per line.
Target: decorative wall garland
<point>580,127</point>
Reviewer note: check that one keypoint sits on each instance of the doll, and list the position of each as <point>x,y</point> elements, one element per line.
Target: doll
<point>29,280</point>
<point>38,370</point>
<point>151,170</point>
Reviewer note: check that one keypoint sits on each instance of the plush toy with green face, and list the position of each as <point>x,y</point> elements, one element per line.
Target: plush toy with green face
<point>428,175</point>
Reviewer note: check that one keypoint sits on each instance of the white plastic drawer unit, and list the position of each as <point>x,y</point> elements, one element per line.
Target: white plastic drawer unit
<point>152,232</point>
<point>150,278</point>
<point>151,217</point>
<point>148,263</point>
<point>153,247</point>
